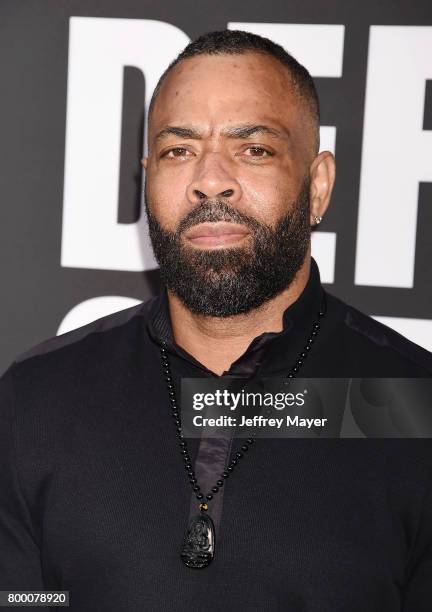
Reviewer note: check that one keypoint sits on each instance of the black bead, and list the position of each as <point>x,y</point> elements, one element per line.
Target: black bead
<point>316,325</point>
<point>295,369</point>
<point>290,375</point>
<point>310,340</point>
<point>313,334</point>
<point>303,355</point>
<point>183,444</point>
<point>299,363</point>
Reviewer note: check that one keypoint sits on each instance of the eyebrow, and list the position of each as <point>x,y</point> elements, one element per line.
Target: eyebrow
<point>240,131</point>
<point>182,132</point>
<point>245,131</point>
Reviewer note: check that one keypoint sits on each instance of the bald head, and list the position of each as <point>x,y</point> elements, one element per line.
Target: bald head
<point>298,82</point>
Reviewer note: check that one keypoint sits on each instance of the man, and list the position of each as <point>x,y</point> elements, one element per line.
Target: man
<point>94,498</point>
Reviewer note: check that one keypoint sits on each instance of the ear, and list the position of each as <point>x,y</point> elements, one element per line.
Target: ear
<point>323,174</point>
<point>144,162</point>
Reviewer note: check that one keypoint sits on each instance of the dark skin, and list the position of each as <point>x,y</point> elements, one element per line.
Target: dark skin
<point>232,126</point>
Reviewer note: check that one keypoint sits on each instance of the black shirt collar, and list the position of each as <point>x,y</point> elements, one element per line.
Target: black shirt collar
<point>270,353</point>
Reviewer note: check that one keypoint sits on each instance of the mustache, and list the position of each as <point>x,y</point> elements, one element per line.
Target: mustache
<point>213,210</point>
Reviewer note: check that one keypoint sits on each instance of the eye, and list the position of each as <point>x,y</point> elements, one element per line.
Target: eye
<point>176,153</point>
<point>256,151</point>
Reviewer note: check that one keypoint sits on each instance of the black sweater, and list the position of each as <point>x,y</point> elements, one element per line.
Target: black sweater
<point>94,498</point>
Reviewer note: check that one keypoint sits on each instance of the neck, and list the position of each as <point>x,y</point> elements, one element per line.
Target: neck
<point>229,337</point>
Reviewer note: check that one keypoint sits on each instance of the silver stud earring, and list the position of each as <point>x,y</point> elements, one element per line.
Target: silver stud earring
<point>318,220</point>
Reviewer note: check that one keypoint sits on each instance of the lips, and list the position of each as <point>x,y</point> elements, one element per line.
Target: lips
<point>218,233</point>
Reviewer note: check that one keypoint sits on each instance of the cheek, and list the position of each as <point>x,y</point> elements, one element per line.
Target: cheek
<point>166,196</point>
<point>266,197</point>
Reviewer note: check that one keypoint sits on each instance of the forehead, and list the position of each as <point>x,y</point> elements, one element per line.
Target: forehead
<point>223,89</point>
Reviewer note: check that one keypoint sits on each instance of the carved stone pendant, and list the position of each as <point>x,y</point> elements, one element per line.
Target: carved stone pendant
<point>199,542</point>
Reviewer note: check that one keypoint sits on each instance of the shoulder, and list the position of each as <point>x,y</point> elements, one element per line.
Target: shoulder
<point>88,370</point>
<point>377,344</point>
<point>90,337</point>
<point>92,361</point>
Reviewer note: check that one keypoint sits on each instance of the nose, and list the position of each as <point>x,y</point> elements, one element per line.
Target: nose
<point>213,178</point>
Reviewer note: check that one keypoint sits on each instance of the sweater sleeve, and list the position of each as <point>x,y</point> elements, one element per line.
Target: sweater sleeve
<point>417,596</point>
<point>20,562</point>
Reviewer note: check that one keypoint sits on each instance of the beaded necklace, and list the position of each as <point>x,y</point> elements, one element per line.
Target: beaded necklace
<point>198,547</point>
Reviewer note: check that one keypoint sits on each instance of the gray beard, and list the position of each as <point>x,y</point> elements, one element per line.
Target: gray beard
<point>229,281</point>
